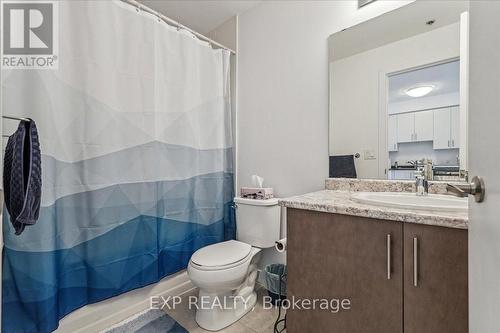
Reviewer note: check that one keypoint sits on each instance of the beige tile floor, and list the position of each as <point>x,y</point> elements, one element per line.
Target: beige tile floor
<point>259,320</point>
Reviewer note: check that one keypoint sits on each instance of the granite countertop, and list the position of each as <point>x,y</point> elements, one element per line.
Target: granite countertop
<point>339,202</point>
<point>383,185</point>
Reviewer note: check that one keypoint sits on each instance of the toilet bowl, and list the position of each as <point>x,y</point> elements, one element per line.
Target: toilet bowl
<point>226,284</point>
<point>226,272</point>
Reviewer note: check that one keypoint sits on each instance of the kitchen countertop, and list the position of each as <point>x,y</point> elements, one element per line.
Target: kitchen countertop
<point>339,202</point>
<point>403,168</point>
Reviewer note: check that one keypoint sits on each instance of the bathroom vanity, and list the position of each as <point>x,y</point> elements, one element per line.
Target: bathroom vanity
<point>401,259</point>
<point>402,270</point>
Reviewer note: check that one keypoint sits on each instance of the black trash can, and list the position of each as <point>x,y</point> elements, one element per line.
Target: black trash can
<point>275,275</point>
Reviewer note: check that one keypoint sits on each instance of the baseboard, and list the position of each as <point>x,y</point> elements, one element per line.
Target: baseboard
<point>99,316</point>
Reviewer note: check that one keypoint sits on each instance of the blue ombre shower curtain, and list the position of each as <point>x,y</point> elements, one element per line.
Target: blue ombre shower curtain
<point>135,131</point>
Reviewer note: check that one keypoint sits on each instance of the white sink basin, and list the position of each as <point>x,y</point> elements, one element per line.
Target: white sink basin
<point>431,202</point>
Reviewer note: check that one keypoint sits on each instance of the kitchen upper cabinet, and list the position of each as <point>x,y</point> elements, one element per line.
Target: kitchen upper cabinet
<point>415,126</point>
<point>442,128</point>
<point>405,127</point>
<point>424,126</point>
<point>392,133</point>
<point>455,127</point>
<point>447,128</point>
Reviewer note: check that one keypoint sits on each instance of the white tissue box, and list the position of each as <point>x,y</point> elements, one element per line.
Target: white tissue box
<point>261,193</point>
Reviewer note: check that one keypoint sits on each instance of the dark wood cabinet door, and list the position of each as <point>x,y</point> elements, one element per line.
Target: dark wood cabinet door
<point>439,301</point>
<point>336,256</point>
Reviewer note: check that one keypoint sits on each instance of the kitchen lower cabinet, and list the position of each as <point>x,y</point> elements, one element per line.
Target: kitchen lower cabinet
<point>399,277</point>
<point>401,174</point>
<point>435,279</point>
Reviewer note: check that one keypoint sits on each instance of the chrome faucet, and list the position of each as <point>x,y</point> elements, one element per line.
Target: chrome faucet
<point>421,183</point>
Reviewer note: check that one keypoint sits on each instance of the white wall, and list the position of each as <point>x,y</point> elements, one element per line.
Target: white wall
<point>355,125</point>
<point>283,91</point>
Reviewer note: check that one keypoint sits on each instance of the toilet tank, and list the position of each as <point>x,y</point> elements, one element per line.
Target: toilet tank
<point>258,221</point>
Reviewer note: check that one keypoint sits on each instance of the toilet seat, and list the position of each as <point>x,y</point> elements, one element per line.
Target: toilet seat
<point>222,255</point>
<point>226,273</point>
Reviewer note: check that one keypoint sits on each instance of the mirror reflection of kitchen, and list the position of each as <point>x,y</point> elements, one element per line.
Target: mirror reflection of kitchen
<point>399,95</point>
<point>423,123</point>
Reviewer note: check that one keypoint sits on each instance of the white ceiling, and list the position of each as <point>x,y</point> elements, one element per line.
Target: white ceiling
<point>201,16</point>
<point>404,22</point>
<point>445,78</point>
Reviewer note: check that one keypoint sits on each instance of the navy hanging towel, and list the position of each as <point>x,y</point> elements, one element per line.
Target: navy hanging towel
<point>22,176</point>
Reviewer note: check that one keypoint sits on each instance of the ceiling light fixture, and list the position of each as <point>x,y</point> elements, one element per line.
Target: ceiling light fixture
<point>419,91</point>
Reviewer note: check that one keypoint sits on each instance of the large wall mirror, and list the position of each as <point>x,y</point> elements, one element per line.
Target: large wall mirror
<point>398,93</point>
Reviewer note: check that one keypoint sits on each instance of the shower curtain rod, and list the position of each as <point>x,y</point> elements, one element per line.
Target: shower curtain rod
<point>168,20</point>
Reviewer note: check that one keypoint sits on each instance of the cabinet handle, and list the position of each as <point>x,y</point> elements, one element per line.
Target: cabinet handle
<point>448,143</point>
<point>453,143</point>
<point>389,256</point>
<point>415,261</point>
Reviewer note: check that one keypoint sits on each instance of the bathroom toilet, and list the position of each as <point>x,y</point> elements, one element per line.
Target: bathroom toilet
<point>226,272</point>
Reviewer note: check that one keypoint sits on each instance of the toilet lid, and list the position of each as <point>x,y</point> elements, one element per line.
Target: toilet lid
<point>221,254</point>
